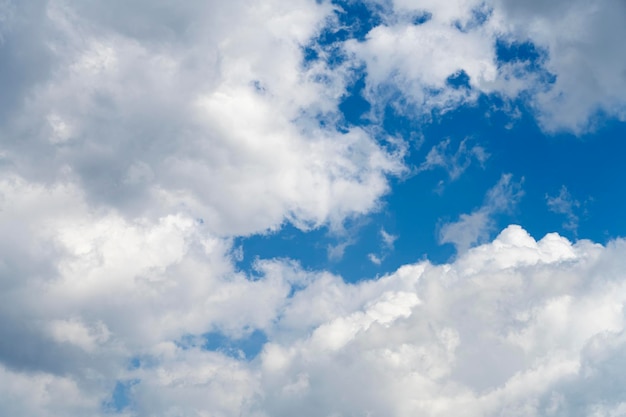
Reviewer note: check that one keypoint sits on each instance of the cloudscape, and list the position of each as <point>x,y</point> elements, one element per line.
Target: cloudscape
<point>321,208</point>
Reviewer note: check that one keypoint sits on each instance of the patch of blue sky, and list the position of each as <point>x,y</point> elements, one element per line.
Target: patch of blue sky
<point>313,249</point>
<point>355,19</point>
<point>589,166</point>
<point>511,51</point>
<point>143,361</point>
<point>479,16</point>
<point>459,79</point>
<point>420,204</point>
<point>353,105</point>
<point>121,397</point>
<point>421,18</point>
<point>527,56</point>
<point>134,363</point>
<point>352,20</point>
<point>246,347</point>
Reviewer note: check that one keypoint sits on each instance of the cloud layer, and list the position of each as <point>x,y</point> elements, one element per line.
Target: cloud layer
<point>138,140</point>
<point>515,326</point>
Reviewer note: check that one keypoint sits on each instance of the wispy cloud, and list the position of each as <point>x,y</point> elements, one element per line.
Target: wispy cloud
<point>564,203</point>
<point>388,239</point>
<point>454,162</point>
<point>386,247</point>
<point>475,227</point>
<point>374,259</point>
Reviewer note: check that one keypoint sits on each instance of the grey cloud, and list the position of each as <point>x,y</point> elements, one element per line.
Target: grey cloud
<point>157,112</point>
<point>585,54</point>
<point>25,59</point>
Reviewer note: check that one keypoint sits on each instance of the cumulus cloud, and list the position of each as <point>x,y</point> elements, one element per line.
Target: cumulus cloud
<point>170,108</point>
<point>512,326</point>
<point>138,140</point>
<point>583,52</point>
<point>417,60</point>
<point>460,335</point>
<point>576,77</point>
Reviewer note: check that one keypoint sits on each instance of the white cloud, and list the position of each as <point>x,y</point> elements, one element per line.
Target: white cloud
<point>417,60</point>
<point>581,40</point>
<point>374,259</point>
<point>193,116</point>
<point>388,239</point>
<point>466,344</point>
<point>77,333</point>
<point>475,227</point>
<point>138,139</point>
<point>335,252</point>
<point>546,316</point>
<point>386,247</point>
<point>46,395</point>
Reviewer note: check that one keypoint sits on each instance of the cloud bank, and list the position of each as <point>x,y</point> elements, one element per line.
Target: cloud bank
<point>515,326</point>
<point>138,140</point>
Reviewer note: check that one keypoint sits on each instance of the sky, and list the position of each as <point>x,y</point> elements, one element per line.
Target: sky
<point>315,208</point>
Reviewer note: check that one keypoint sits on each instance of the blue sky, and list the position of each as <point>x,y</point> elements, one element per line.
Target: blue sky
<point>312,208</point>
<point>582,166</point>
<point>587,166</point>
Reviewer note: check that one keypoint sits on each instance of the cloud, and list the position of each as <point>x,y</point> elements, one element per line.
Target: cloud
<point>475,227</point>
<point>455,163</point>
<point>417,60</point>
<point>374,259</point>
<point>387,246</point>
<point>564,203</point>
<point>576,79</point>
<point>388,239</point>
<point>138,140</point>
<point>119,297</point>
<point>584,54</point>
<point>191,116</point>
<point>335,252</point>
<point>488,333</point>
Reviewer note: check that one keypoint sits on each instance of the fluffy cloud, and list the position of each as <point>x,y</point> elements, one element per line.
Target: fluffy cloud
<point>584,53</point>
<point>417,60</point>
<point>577,75</point>
<point>173,109</point>
<point>515,326</point>
<point>507,329</point>
<point>138,140</point>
